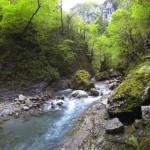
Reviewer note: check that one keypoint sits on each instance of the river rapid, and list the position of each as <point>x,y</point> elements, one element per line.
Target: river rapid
<point>47,131</point>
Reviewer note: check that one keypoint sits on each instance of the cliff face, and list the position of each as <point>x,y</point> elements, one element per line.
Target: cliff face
<point>107,10</point>
<point>88,11</point>
<point>91,12</point>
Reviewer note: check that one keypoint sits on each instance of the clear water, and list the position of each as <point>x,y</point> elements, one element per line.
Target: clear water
<point>45,131</point>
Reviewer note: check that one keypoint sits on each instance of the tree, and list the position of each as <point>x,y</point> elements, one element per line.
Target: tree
<point>31,18</point>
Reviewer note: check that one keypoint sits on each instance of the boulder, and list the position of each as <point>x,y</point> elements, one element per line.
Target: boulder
<point>21,97</point>
<point>101,76</point>
<point>112,86</point>
<point>79,94</point>
<point>29,103</point>
<point>145,112</point>
<point>25,108</point>
<point>114,73</point>
<point>7,110</point>
<point>59,102</point>
<point>114,126</point>
<point>94,92</point>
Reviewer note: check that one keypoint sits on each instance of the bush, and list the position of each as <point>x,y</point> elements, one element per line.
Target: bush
<point>81,80</point>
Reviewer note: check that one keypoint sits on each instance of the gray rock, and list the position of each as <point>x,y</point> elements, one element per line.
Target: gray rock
<point>29,103</point>
<point>79,94</point>
<point>114,126</point>
<point>7,110</point>
<point>21,97</point>
<point>94,92</point>
<point>145,112</point>
<point>112,86</point>
<point>114,73</point>
<point>59,102</point>
<point>25,108</point>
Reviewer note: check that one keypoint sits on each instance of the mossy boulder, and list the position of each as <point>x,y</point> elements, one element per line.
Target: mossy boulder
<point>131,92</point>
<point>101,76</point>
<point>81,80</point>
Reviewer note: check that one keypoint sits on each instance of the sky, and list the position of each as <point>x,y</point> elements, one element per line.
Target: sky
<point>68,4</point>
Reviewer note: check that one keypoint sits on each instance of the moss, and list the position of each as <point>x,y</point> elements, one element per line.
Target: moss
<point>132,88</point>
<point>102,76</point>
<point>144,143</point>
<point>81,80</point>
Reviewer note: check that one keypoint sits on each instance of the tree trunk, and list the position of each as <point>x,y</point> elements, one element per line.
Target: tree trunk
<point>61,17</point>
<point>31,18</point>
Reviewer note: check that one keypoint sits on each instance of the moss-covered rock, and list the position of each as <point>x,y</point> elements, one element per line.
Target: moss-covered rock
<point>131,92</point>
<point>100,76</point>
<point>81,80</point>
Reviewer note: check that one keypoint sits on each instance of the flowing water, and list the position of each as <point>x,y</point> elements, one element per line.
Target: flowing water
<point>47,131</point>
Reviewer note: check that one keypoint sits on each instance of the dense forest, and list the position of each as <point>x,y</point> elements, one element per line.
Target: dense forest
<point>38,40</point>
<point>41,42</point>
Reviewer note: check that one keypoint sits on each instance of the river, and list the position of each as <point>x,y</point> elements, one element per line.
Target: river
<point>46,131</point>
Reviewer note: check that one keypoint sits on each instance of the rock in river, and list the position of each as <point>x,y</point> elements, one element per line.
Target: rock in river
<point>114,126</point>
<point>21,97</point>
<point>79,94</point>
<point>59,102</point>
<point>94,92</point>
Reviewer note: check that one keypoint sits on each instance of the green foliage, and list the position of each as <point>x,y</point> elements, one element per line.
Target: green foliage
<point>133,88</point>
<point>125,35</point>
<point>38,52</point>
<point>81,80</point>
<point>133,141</point>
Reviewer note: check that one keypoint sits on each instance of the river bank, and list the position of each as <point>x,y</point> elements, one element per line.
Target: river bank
<point>21,103</point>
<point>47,130</point>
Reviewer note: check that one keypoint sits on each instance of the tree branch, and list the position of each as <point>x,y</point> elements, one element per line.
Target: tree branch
<point>31,18</point>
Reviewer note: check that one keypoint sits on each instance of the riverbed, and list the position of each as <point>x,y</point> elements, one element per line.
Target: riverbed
<point>47,131</point>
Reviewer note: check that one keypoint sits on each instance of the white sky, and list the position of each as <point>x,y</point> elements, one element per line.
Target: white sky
<point>68,4</point>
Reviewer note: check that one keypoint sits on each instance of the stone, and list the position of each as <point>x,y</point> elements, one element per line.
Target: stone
<point>16,99</point>
<point>59,102</point>
<point>29,103</point>
<point>79,94</point>
<point>21,97</point>
<point>114,126</point>
<point>112,86</point>
<point>114,73</point>
<point>94,92</point>
<point>25,108</point>
<point>145,112</point>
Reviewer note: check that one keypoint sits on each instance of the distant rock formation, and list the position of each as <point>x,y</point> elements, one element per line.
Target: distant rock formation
<point>87,11</point>
<point>108,9</point>
<point>90,12</point>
